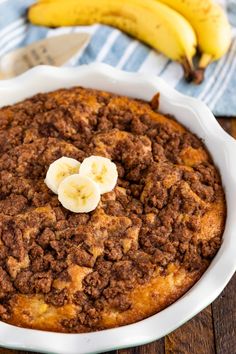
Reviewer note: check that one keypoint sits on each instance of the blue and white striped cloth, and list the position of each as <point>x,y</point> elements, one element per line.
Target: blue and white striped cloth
<point>113,47</point>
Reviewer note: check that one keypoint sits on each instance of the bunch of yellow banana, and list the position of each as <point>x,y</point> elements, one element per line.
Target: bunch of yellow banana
<point>173,27</point>
<point>211,27</point>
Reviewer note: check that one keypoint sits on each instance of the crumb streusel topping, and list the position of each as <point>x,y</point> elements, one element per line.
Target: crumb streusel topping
<point>147,242</point>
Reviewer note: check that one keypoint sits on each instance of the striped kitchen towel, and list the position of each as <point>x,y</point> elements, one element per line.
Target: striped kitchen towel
<point>113,47</point>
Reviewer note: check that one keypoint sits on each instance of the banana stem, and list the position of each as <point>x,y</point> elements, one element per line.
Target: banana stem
<point>188,69</point>
<point>198,74</point>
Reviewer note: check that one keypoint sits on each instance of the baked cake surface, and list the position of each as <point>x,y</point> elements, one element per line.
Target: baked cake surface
<point>145,245</point>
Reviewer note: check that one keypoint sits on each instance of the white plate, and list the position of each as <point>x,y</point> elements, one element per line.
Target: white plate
<point>197,117</point>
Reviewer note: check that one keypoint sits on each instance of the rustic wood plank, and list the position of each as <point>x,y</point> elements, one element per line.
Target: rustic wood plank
<point>196,336</point>
<point>224,317</point>
<point>226,124</point>
<point>233,125</point>
<point>157,347</point>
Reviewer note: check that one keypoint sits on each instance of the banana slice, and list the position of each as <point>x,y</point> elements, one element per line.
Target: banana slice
<point>79,194</point>
<point>101,170</point>
<point>59,170</point>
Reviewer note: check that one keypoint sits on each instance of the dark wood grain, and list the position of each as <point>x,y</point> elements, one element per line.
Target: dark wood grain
<point>224,318</point>
<point>233,128</point>
<point>157,347</point>
<point>213,331</point>
<point>196,336</point>
<point>226,124</point>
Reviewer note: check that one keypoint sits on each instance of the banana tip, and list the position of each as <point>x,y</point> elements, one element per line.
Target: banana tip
<point>198,76</point>
<point>195,76</point>
<point>191,74</point>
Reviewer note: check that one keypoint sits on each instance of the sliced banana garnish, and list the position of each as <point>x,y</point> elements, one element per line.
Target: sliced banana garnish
<point>59,170</point>
<point>101,170</point>
<point>79,194</point>
<point>79,186</point>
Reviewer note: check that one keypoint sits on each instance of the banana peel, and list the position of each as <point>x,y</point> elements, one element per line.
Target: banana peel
<point>212,29</point>
<point>150,21</point>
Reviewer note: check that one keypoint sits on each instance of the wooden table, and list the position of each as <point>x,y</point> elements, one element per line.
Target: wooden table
<point>211,331</point>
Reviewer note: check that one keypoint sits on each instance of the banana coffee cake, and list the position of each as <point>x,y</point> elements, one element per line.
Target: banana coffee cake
<point>146,243</point>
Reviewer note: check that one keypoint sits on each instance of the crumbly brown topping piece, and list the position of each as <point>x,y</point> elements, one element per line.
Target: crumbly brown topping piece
<point>167,209</point>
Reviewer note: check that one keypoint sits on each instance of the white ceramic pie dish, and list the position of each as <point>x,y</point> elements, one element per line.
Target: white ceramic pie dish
<point>197,117</point>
